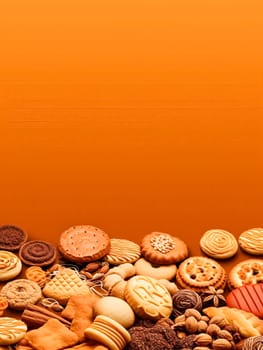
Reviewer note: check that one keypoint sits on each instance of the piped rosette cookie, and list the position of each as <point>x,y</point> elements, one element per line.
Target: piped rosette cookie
<point>198,273</point>
<point>163,249</point>
<point>219,244</point>
<point>10,265</point>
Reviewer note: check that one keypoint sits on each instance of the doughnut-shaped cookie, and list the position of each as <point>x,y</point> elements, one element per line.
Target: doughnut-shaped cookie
<point>251,241</point>
<point>84,243</point>
<point>249,271</point>
<point>11,237</point>
<point>20,292</point>
<point>10,265</point>
<point>11,330</point>
<point>40,253</point>
<point>163,249</point>
<point>144,267</point>
<point>218,244</point>
<point>122,251</point>
<point>198,273</point>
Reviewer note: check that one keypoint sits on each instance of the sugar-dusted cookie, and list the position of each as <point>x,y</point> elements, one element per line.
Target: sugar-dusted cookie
<point>148,297</point>
<point>21,292</point>
<point>249,271</point>
<point>122,251</point>
<point>40,253</point>
<point>248,297</point>
<point>219,244</point>
<point>11,237</point>
<point>198,273</point>
<point>10,265</point>
<point>11,330</point>
<point>251,241</point>
<point>163,248</point>
<point>84,243</point>
<point>65,284</point>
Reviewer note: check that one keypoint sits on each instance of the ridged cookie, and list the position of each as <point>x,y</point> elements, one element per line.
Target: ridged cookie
<point>10,265</point>
<point>251,241</point>
<point>122,251</point>
<point>11,330</point>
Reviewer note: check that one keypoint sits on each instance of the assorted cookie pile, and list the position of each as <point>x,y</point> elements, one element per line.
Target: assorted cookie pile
<point>97,292</point>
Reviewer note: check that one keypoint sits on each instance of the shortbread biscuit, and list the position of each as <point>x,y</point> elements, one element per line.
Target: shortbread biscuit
<point>198,273</point>
<point>249,271</point>
<point>10,265</point>
<point>11,330</point>
<point>219,244</point>
<point>163,249</point>
<point>11,237</point>
<point>248,324</point>
<point>65,284</point>
<point>21,292</point>
<point>84,243</point>
<point>148,297</point>
<point>251,241</point>
<point>122,251</point>
<point>40,253</point>
<point>144,267</point>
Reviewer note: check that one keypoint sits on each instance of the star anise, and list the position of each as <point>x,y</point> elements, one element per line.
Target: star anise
<point>213,297</point>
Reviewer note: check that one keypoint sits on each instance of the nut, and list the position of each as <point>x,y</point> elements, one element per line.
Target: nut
<point>193,312</point>
<point>218,320</point>
<point>179,325</point>
<point>202,326</point>
<point>180,334</point>
<point>104,268</point>
<point>180,318</point>
<point>225,335</point>
<point>221,344</point>
<point>203,339</point>
<point>212,330</point>
<point>92,267</point>
<point>191,325</point>
<point>201,348</point>
<point>205,318</point>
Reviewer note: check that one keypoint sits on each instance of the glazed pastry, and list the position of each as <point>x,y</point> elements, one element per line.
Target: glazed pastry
<point>219,244</point>
<point>251,241</point>
<point>163,249</point>
<point>186,299</point>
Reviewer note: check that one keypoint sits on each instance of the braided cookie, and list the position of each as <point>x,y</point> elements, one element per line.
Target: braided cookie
<point>251,241</point>
<point>219,244</point>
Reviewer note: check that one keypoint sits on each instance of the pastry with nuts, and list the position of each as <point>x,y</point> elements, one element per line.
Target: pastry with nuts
<point>163,249</point>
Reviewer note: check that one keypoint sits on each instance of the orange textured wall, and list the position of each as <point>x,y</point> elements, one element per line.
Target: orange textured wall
<point>131,116</point>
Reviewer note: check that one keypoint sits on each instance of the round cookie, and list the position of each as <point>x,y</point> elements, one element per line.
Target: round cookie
<point>11,237</point>
<point>122,251</point>
<point>148,297</point>
<point>11,330</point>
<point>186,299</point>
<point>219,244</point>
<point>84,243</point>
<point>10,265</point>
<point>21,292</point>
<point>163,249</point>
<point>144,267</point>
<point>115,308</point>
<point>251,241</point>
<point>40,253</point>
<point>248,271</point>
<point>253,343</point>
<point>199,273</point>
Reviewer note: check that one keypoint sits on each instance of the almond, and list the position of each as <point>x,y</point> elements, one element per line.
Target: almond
<point>193,312</point>
<point>225,335</point>
<point>191,324</point>
<point>203,339</point>
<point>221,344</point>
<point>212,330</point>
<point>218,320</point>
<point>104,268</point>
<point>202,326</point>
<point>92,267</point>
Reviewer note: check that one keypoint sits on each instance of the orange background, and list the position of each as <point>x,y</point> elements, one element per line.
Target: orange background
<point>131,116</point>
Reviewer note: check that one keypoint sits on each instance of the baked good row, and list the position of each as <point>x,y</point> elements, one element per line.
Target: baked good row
<point>102,293</point>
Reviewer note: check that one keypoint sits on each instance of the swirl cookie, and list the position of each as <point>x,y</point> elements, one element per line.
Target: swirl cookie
<point>21,292</point>
<point>199,273</point>
<point>219,244</point>
<point>186,299</point>
<point>148,297</point>
<point>84,243</point>
<point>249,271</point>
<point>40,253</point>
<point>11,330</point>
<point>253,343</point>
<point>11,237</point>
<point>122,251</point>
<point>251,241</point>
<point>10,265</point>
<point>163,249</point>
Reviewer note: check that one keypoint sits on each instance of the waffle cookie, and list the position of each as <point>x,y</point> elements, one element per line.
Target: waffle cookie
<point>84,243</point>
<point>122,251</point>
<point>65,284</point>
<point>199,273</point>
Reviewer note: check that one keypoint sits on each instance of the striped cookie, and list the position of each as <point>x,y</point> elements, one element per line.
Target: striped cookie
<point>122,251</point>
<point>251,241</point>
